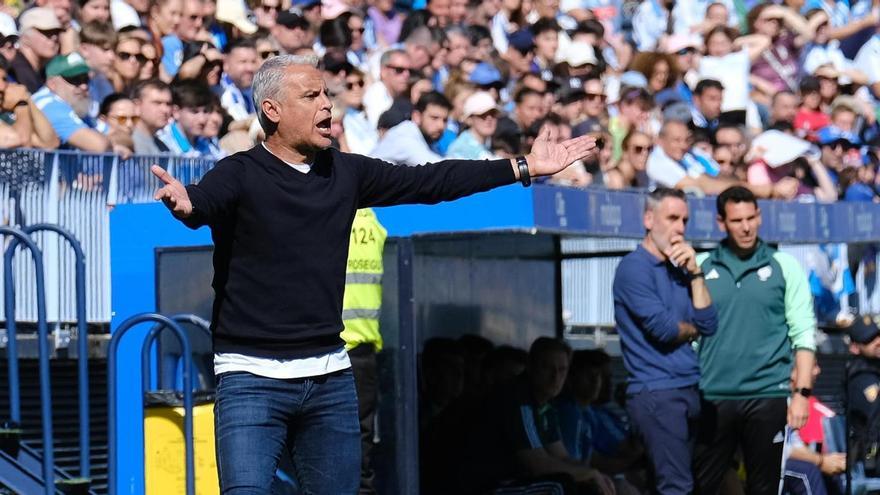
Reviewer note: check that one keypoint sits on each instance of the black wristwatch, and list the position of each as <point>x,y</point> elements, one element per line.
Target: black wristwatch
<point>523,167</point>
<point>804,391</point>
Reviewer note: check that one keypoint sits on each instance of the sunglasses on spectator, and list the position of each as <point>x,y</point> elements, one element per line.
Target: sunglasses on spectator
<point>270,8</point>
<point>79,80</point>
<point>641,149</point>
<point>595,96</point>
<point>9,42</point>
<point>358,30</point>
<point>685,51</point>
<point>124,119</point>
<point>842,144</point>
<point>398,70</point>
<point>269,53</point>
<point>350,85</point>
<point>127,56</point>
<point>50,33</point>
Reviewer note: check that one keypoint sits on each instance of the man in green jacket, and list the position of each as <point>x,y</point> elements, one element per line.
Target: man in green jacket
<point>766,324</point>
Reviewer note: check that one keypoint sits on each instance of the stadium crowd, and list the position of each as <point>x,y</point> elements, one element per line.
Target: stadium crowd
<point>693,94</point>
<point>698,95</point>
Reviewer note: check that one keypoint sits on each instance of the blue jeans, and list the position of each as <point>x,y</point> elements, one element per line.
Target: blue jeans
<point>666,421</point>
<point>315,418</point>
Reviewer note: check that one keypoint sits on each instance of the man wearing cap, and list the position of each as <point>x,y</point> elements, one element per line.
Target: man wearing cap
<point>65,102</point>
<point>519,53</point>
<point>863,393</point>
<point>291,31</point>
<point>9,40</point>
<point>409,142</point>
<point>481,116</point>
<point>487,77</point>
<point>311,11</point>
<point>839,149</point>
<point>40,31</point>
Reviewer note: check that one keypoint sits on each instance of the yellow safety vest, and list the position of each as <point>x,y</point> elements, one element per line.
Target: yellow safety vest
<point>363,282</point>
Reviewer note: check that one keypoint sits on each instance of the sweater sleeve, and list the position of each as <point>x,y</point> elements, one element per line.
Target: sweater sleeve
<point>215,196</point>
<point>798,302</point>
<point>632,288</point>
<point>706,320</point>
<point>384,184</point>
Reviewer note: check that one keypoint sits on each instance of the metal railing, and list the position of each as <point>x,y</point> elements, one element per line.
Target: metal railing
<point>77,191</point>
<point>163,323</point>
<point>12,356</point>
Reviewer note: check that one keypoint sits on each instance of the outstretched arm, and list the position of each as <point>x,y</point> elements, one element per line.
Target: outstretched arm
<point>383,184</point>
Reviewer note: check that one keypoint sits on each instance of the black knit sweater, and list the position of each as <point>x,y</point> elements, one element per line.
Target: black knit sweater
<point>281,239</point>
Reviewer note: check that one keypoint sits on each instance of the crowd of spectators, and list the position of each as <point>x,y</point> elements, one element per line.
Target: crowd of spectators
<point>693,94</point>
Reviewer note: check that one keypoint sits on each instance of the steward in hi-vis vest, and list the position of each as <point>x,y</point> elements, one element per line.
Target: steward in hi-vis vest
<point>360,315</point>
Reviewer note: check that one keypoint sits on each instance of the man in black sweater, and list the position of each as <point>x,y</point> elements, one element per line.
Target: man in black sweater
<point>280,216</point>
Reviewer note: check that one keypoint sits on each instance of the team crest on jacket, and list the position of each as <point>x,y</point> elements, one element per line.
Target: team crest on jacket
<point>764,273</point>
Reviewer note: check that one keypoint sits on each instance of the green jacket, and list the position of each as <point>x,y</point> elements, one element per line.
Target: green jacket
<point>765,313</point>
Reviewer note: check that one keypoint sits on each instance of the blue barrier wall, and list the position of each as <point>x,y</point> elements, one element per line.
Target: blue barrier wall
<point>136,231</point>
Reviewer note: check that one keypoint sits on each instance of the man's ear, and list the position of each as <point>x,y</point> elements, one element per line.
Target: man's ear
<point>720,221</point>
<point>271,110</point>
<point>416,117</point>
<point>648,219</point>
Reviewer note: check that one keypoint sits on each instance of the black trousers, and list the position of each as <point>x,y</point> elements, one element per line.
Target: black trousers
<point>366,381</point>
<point>756,427</point>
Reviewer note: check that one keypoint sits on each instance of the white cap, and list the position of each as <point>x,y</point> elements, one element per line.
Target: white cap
<point>123,15</point>
<point>235,13</point>
<point>7,26</point>
<point>479,103</point>
<point>678,42</point>
<point>39,18</point>
<point>579,53</point>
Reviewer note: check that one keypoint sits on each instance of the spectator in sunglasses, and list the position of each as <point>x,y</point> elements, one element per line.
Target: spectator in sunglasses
<point>393,82</point>
<point>22,124</point>
<point>631,169</point>
<point>267,48</point>
<point>357,49</point>
<point>840,149</point>
<point>40,31</point>
<point>96,42</point>
<point>150,67</point>
<point>128,62</point>
<point>265,12</point>
<point>360,135</point>
<point>8,37</point>
<point>117,119</point>
<point>65,102</point>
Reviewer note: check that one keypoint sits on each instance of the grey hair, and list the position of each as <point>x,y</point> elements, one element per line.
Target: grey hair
<point>653,200</point>
<point>269,80</point>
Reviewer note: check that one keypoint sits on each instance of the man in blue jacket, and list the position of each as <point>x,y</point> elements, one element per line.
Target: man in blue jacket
<point>661,305</point>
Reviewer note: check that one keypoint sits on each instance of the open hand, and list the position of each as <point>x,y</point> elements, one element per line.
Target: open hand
<point>173,194</point>
<point>548,156</point>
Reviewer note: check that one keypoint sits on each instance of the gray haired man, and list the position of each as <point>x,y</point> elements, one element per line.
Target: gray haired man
<point>280,216</point>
